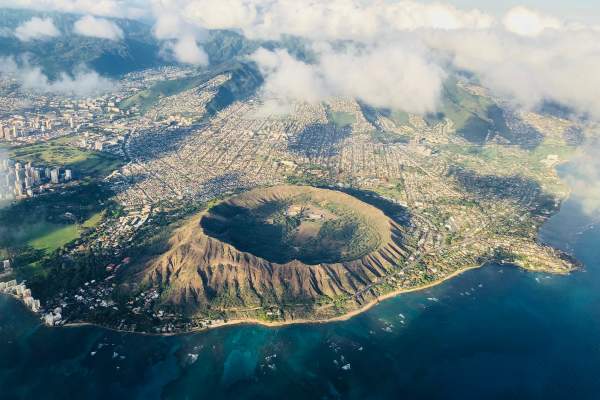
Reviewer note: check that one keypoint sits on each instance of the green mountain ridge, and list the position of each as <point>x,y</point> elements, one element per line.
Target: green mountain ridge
<point>245,80</point>
<point>137,50</point>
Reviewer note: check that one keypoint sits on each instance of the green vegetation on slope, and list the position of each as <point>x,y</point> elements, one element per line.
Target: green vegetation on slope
<point>514,160</point>
<point>399,117</point>
<point>137,50</point>
<point>244,81</point>
<point>474,117</point>
<point>147,98</point>
<point>372,114</point>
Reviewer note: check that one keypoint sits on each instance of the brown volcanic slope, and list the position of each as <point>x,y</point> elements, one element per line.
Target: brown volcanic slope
<point>202,274</point>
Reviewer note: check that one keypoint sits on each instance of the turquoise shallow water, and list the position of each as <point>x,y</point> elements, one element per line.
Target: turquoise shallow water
<point>496,333</point>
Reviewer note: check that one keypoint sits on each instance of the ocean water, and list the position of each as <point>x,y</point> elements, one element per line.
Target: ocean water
<point>493,333</point>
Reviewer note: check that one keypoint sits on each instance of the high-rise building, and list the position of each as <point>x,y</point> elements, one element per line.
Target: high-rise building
<point>19,189</point>
<point>19,175</point>
<point>55,175</point>
<point>68,175</point>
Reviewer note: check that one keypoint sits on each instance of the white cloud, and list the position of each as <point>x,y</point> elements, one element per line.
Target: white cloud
<point>97,27</point>
<point>106,8</point>
<point>558,65</point>
<point>526,22</point>
<point>37,28</point>
<point>387,77</point>
<point>288,78</point>
<point>584,178</point>
<point>550,60</point>
<point>83,82</point>
<point>395,77</point>
<point>528,57</point>
<point>328,20</point>
<point>182,23</point>
<point>186,50</point>
<point>182,38</point>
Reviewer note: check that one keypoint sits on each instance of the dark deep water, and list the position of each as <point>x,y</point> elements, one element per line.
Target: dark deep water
<point>496,333</point>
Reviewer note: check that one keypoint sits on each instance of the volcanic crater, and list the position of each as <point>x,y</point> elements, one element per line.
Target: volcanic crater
<point>293,248</point>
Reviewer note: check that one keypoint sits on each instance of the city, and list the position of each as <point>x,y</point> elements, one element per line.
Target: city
<point>21,181</point>
<point>175,155</point>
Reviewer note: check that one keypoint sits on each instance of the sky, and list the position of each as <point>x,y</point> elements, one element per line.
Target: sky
<point>584,10</point>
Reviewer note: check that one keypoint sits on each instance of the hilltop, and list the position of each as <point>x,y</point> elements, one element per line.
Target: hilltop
<point>285,247</point>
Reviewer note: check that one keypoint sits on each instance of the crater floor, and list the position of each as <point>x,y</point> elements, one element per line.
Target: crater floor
<point>287,223</point>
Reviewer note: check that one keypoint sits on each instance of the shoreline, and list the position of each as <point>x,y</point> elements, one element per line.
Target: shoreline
<point>351,314</point>
<point>278,324</point>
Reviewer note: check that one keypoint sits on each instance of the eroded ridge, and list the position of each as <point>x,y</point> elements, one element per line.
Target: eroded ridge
<point>292,247</point>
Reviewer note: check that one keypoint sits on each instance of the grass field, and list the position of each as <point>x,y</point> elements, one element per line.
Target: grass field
<point>390,137</point>
<point>59,152</point>
<point>49,222</point>
<point>38,241</point>
<point>341,119</point>
<point>56,236</point>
